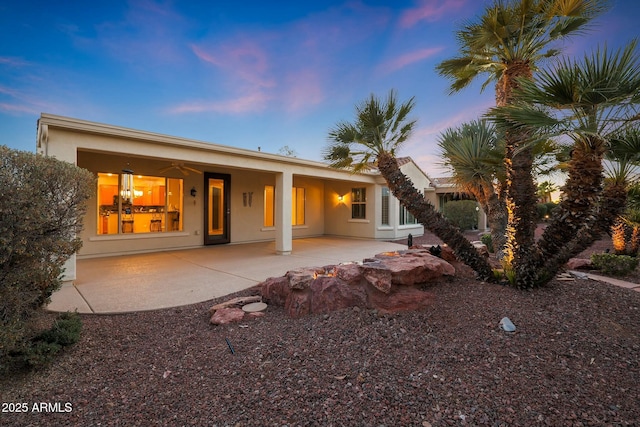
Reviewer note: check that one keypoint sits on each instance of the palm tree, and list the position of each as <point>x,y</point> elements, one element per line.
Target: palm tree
<point>474,153</point>
<point>623,159</point>
<point>590,102</point>
<point>544,191</point>
<point>379,130</point>
<point>508,42</point>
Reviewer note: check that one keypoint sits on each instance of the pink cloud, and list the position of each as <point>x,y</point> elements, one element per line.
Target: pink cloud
<point>13,62</point>
<point>244,60</point>
<point>21,102</point>
<point>409,58</point>
<point>304,90</point>
<point>17,108</point>
<point>244,104</point>
<point>429,10</point>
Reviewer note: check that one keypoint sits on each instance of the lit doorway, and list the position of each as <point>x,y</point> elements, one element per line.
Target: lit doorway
<point>217,208</point>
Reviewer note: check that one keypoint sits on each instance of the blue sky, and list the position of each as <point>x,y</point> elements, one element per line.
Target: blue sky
<point>245,74</point>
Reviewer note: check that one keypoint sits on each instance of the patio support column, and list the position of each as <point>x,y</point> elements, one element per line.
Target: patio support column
<point>284,184</point>
<point>69,153</point>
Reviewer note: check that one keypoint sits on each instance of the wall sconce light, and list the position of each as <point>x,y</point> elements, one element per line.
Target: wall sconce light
<point>193,191</point>
<point>340,199</point>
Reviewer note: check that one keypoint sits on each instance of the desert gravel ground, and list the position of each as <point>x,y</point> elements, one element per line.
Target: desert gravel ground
<point>574,360</point>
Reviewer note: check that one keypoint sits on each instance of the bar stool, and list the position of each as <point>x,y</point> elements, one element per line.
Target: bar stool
<point>156,222</point>
<point>175,220</point>
<point>127,223</point>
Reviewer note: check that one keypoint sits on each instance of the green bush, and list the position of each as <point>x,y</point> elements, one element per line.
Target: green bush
<point>41,212</point>
<point>541,210</point>
<point>487,240</point>
<point>65,331</point>
<point>550,207</point>
<point>617,265</point>
<point>44,346</point>
<point>462,213</point>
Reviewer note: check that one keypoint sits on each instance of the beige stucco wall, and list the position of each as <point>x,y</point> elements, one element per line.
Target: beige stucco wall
<point>338,213</point>
<point>105,148</point>
<point>246,221</point>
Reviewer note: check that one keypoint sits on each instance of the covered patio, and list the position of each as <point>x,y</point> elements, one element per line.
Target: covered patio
<point>180,277</point>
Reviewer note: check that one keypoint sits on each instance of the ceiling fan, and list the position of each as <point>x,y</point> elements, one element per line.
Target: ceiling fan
<point>181,167</point>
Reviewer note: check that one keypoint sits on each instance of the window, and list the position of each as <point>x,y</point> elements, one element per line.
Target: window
<point>385,206</point>
<point>130,203</point>
<point>406,217</point>
<point>269,205</point>
<point>297,206</point>
<point>359,203</point>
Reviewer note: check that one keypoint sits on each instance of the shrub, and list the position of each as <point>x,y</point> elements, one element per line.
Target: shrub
<point>462,213</point>
<point>617,265</point>
<point>487,240</point>
<point>550,207</point>
<point>541,210</point>
<point>65,330</point>
<point>41,212</point>
<point>44,346</point>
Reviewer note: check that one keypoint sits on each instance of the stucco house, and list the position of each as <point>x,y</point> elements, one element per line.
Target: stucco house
<point>157,192</point>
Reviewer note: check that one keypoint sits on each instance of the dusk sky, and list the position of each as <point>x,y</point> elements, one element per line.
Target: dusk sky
<point>245,74</point>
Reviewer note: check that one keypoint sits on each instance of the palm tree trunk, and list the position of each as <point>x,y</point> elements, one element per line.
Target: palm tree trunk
<point>497,217</point>
<point>520,250</point>
<point>581,193</point>
<point>402,188</point>
<point>611,205</point>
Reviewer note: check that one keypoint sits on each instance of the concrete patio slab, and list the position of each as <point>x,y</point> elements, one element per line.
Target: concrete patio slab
<point>175,278</point>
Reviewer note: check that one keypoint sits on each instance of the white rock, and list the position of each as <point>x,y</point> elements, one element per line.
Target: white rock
<point>507,325</point>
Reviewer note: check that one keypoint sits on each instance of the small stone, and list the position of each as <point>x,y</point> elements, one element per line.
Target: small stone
<point>507,325</point>
<point>254,307</point>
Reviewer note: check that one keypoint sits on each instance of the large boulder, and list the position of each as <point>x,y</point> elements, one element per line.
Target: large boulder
<point>331,294</point>
<point>275,290</point>
<point>576,263</point>
<point>416,266</point>
<point>388,283</point>
<point>400,299</point>
<point>378,276</point>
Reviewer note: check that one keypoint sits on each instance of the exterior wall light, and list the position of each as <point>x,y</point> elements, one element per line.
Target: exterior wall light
<point>340,198</point>
<point>194,192</point>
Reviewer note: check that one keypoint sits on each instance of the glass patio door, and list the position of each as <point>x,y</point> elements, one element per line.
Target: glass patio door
<point>217,208</point>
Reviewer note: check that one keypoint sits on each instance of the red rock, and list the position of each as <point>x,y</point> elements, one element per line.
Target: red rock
<point>416,267</point>
<point>275,290</point>
<point>255,315</point>
<point>227,315</point>
<point>384,282</point>
<point>301,279</point>
<point>481,248</point>
<point>331,293</point>
<point>351,274</point>
<point>576,263</point>
<point>448,255</point>
<point>404,298</point>
<point>298,303</point>
<point>378,276</point>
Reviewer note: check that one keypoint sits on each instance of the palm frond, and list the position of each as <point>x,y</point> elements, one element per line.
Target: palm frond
<point>379,127</point>
<point>515,30</point>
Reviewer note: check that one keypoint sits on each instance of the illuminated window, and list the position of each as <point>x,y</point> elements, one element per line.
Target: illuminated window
<point>406,217</point>
<point>297,205</point>
<point>269,205</point>
<point>129,203</point>
<point>385,206</point>
<point>359,203</point>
